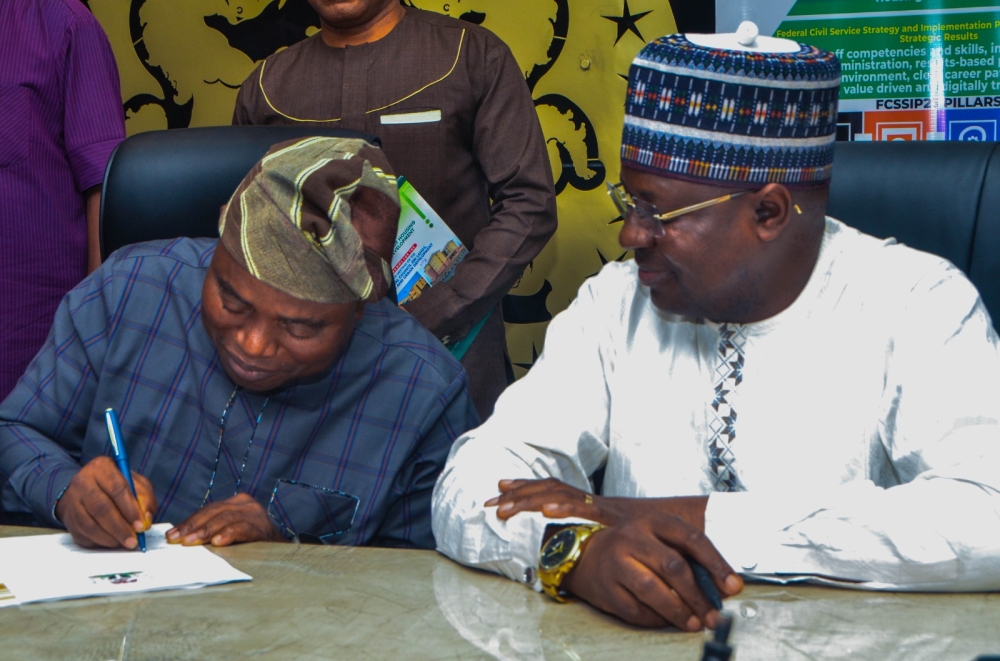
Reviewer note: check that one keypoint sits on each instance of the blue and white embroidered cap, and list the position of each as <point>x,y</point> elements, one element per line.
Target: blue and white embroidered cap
<point>732,110</point>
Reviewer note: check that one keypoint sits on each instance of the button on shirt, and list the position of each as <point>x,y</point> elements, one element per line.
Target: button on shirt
<point>867,434</point>
<point>349,456</point>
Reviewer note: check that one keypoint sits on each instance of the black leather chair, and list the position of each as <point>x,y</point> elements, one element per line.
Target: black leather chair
<point>940,197</point>
<point>165,184</point>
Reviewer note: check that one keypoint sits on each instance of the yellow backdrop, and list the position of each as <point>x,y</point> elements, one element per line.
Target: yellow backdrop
<point>181,62</point>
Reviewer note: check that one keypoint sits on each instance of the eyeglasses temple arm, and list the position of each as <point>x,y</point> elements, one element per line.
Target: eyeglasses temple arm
<point>699,206</point>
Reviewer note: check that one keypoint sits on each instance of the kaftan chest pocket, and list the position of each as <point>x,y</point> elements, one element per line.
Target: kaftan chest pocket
<point>423,116</point>
<point>14,123</point>
<point>422,129</point>
<point>310,513</point>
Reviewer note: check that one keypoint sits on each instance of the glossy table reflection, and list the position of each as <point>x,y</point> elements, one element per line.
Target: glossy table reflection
<point>313,602</point>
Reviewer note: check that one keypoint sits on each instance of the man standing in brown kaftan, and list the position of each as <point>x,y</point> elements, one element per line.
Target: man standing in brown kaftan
<point>456,119</point>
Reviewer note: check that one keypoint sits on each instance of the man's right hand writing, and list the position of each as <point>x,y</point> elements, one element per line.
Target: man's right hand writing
<point>98,508</point>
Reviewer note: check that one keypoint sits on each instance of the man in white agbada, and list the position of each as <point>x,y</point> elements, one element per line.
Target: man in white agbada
<point>769,392</point>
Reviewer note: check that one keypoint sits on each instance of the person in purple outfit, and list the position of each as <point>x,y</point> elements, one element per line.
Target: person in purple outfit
<point>60,118</point>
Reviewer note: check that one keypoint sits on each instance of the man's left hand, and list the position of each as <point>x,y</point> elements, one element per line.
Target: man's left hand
<point>558,500</point>
<point>230,521</point>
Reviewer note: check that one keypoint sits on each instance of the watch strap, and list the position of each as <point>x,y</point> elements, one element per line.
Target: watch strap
<point>552,578</point>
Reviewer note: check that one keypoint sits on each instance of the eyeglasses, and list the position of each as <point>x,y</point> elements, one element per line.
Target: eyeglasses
<point>645,212</point>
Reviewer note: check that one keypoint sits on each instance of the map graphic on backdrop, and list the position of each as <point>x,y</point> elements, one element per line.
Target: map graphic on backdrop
<point>182,61</point>
<point>912,69</point>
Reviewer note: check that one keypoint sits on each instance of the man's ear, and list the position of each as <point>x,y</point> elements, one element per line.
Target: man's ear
<point>774,210</point>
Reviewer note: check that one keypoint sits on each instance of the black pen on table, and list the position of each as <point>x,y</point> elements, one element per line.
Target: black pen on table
<point>121,459</point>
<point>717,649</point>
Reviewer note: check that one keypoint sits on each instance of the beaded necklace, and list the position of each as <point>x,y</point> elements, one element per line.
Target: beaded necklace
<point>218,452</point>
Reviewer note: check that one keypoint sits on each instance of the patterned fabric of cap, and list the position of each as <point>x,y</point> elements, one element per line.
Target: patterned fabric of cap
<point>316,218</point>
<point>731,117</point>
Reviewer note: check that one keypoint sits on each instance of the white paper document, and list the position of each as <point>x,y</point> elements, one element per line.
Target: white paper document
<point>51,567</point>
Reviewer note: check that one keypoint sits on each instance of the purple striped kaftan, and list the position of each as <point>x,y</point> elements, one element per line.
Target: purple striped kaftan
<point>60,117</point>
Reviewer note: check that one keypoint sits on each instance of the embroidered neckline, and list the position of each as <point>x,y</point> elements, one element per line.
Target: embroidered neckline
<point>260,83</point>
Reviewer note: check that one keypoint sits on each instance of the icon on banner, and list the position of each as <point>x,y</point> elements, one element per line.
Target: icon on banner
<point>899,131</point>
<point>973,130</point>
<point>849,124</point>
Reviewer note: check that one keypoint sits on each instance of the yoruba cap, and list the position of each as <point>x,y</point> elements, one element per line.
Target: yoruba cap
<point>732,112</point>
<point>316,218</point>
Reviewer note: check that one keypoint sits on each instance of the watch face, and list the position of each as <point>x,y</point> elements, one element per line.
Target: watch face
<point>559,547</point>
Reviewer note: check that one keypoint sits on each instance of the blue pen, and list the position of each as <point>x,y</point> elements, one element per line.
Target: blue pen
<point>115,434</point>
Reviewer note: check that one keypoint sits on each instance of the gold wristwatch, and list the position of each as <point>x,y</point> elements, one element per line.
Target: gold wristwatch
<point>559,555</point>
